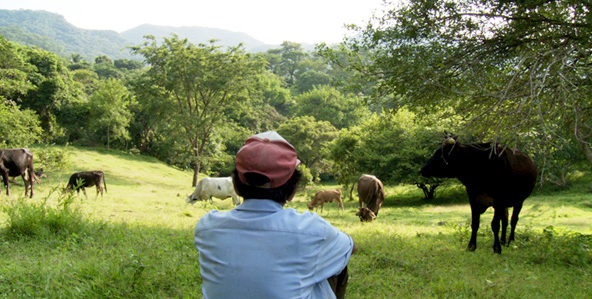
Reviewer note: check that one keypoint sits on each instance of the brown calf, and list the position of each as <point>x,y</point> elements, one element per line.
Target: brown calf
<point>326,196</point>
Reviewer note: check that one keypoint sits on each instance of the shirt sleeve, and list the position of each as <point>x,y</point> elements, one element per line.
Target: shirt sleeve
<point>334,254</point>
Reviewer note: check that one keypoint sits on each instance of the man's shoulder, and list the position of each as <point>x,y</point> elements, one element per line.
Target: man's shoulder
<point>306,215</point>
<point>307,221</point>
<point>209,217</point>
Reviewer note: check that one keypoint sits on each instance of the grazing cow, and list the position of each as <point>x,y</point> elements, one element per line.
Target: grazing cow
<point>371,193</point>
<point>15,162</point>
<point>326,196</point>
<point>493,176</point>
<point>81,180</point>
<point>207,188</point>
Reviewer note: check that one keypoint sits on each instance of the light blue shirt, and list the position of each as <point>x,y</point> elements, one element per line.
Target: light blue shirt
<point>261,250</point>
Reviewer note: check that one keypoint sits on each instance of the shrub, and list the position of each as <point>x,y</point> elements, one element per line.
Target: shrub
<point>28,219</point>
<point>51,158</point>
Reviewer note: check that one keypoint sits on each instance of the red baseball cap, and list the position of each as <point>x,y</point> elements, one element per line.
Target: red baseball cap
<point>268,154</point>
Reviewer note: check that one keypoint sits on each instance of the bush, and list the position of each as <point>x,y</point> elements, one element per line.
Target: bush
<point>37,220</point>
<point>51,158</point>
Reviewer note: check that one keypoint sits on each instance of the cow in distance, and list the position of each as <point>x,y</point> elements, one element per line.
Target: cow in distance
<point>220,188</point>
<point>326,196</point>
<point>371,197</point>
<point>84,179</point>
<point>493,175</point>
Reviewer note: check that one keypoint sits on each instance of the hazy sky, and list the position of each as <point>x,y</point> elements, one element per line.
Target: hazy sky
<point>270,21</point>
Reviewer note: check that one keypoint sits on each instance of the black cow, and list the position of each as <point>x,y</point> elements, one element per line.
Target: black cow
<point>15,162</point>
<point>81,180</point>
<point>493,175</point>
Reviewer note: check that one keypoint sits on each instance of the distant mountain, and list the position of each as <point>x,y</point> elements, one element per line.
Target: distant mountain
<point>195,35</point>
<point>202,35</point>
<point>53,33</point>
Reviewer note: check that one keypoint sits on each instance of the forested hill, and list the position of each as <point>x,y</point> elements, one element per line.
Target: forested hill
<point>52,32</point>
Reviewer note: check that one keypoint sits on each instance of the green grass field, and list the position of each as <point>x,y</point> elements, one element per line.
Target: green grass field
<point>137,241</point>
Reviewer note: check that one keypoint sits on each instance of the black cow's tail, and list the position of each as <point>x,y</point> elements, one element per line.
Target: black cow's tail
<point>104,183</point>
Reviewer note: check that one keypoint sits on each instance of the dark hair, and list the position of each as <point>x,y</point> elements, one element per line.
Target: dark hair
<point>279,194</point>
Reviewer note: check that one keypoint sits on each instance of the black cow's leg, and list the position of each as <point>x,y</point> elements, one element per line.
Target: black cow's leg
<point>475,215</point>
<point>514,221</point>
<point>5,178</point>
<point>30,177</point>
<point>28,181</point>
<point>504,226</point>
<point>495,227</point>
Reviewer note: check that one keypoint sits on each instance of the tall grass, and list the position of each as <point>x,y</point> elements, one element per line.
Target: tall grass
<point>137,241</point>
<point>40,220</point>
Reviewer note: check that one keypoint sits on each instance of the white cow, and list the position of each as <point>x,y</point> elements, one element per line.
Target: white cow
<point>207,188</point>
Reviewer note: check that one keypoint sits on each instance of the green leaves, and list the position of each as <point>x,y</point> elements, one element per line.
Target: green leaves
<point>18,128</point>
<point>109,110</point>
<point>311,138</point>
<point>512,69</point>
<point>199,83</point>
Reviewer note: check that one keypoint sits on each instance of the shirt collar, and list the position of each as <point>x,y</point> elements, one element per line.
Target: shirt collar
<point>261,205</point>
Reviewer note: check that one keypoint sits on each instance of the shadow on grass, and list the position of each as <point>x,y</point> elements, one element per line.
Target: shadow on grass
<point>445,195</point>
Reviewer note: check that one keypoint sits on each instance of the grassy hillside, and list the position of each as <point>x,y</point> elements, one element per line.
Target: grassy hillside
<point>139,189</point>
<point>137,240</point>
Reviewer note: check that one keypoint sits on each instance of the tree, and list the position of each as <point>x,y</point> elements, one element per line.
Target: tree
<point>14,84</point>
<point>285,61</point>
<point>391,146</point>
<point>53,89</point>
<point>510,67</point>
<point>310,79</point>
<point>109,111</point>
<point>77,62</point>
<point>128,64</point>
<point>326,103</point>
<point>18,128</point>
<point>199,83</point>
<point>276,95</point>
<point>310,138</point>
<point>344,152</point>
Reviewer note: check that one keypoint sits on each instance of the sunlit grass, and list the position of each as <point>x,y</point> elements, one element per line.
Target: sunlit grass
<point>137,241</point>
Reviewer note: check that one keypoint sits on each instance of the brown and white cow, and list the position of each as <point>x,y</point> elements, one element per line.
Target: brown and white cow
<point>326,196</point>
<point>17,162</point>
<point>81,180</point>
<point>370,193</point>
<point>493,176</point>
